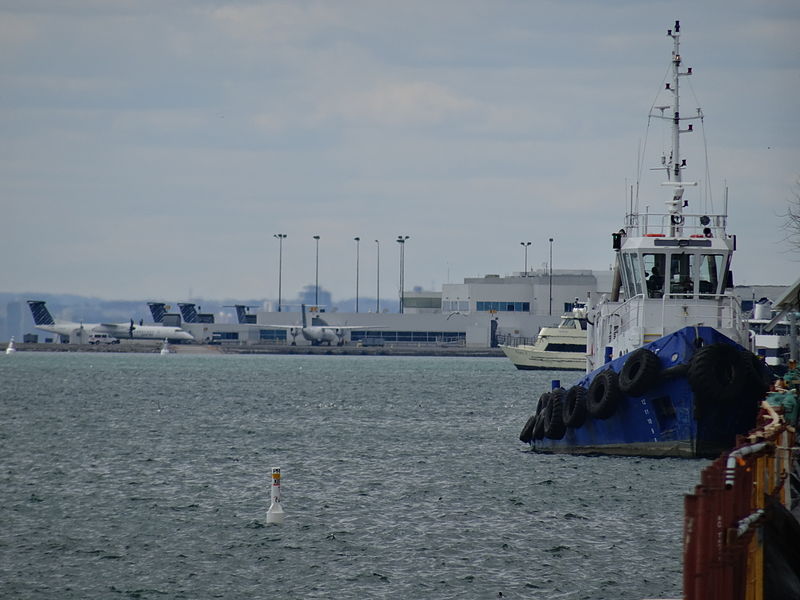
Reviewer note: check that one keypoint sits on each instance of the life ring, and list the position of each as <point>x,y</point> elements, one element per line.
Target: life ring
<point>604,395</point>
<point>526,435</point>
<point>639,372</point>
<point>717,371</point>
<point>554,427</point>
<point>575,406</point>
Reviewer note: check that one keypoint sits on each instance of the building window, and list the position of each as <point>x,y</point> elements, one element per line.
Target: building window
<point>504,306</point>
<point>272,335</point>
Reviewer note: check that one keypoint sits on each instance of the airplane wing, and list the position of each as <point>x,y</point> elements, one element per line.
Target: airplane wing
<point>351,327</point>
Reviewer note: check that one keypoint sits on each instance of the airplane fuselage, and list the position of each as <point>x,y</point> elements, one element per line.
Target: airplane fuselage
<point>319,335</point>
<point>120,331</point>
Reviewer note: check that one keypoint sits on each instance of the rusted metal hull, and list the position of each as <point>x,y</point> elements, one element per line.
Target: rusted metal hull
<point>724,542</point>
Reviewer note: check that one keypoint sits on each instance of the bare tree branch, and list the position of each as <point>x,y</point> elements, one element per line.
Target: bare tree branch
<point>791,218</point>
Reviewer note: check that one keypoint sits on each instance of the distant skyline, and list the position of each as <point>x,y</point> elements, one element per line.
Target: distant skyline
<point>152,149</point>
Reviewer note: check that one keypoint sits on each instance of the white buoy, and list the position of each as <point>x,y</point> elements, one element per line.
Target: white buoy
<point>165,348</point>
<point>275,512</point>
<point>10,348</point>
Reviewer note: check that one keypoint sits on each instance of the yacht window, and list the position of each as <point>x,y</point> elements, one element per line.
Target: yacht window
<point>654,271</point>
<point>711,270</point>
<point>680,279</point>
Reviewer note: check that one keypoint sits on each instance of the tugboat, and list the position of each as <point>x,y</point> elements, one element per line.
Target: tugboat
<point>670,371</point>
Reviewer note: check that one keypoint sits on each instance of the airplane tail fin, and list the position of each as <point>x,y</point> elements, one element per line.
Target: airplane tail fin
<point>242,314</point>
<point>303,308</point>
<point>188,312</point>
<point>158,310</point>
<point>41,316</point>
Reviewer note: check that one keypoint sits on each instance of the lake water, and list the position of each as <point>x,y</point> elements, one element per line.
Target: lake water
<point>144,476</point>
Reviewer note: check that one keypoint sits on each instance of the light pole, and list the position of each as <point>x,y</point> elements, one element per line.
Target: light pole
<point>378,279</point>
<point>551,276</point>
<point>401,239</point>
<point>280,237</point>
<point>358,246</point>
<point>316,276</point>
<point>525,245</point>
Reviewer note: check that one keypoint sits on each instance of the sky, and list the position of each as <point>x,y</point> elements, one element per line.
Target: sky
<point>153,149</point>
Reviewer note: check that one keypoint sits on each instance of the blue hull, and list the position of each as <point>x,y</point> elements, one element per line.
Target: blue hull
<point>680,413</point>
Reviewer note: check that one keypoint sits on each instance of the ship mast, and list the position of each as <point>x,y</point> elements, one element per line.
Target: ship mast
<point>676,164</point>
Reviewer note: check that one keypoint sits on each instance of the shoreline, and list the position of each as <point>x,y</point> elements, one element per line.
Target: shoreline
<point>147,347</point>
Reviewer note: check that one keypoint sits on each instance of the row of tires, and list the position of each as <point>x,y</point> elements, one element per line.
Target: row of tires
<point>716,371</point>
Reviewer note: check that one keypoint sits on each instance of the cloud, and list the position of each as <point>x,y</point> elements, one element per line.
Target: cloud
<point>417,103</point>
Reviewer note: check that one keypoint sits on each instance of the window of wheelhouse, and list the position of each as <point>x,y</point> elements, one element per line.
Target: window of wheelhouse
<point>654,272</point>
<point>681,272</point>
<point>632,274</point>
<point>711,275</point>
<point>572,323</point>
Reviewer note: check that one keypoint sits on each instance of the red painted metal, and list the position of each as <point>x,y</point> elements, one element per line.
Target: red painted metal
<point>718,560</point>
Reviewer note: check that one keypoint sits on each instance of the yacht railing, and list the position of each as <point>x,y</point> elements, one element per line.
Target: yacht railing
<point>514,341</point>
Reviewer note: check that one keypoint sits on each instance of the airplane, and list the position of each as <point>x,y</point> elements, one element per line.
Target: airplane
<point>44,320</point>
<point>318,334</point>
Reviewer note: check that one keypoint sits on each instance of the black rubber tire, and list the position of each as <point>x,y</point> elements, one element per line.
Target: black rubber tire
<point>717,371</point>
<point>554,427</point>
<point>541,404</point>
<point>575,406</point>
<point>526,435</point>
<point>604,395</point>
<point>639,372</point>
<point>758,375</point>
<point>538,427</point>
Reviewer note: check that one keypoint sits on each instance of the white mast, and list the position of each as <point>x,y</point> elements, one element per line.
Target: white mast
<point>676,164</point>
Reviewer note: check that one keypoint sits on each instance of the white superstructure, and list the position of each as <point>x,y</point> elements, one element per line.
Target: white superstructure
<point>673,267</point>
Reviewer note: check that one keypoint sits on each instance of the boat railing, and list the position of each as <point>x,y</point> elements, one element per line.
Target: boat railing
<point>657,224</point>
<point>513,341</point>
<point>721,311</point>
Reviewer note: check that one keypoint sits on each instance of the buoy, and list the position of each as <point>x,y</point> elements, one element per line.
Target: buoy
<point>10,348</point>
<point>275,512</point>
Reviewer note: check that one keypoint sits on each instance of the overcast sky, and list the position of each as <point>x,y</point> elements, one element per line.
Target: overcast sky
<point>151,149</point>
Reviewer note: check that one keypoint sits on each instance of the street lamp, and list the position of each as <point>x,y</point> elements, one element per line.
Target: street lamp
<point>401,239</point>
<point>525,245</point>
<point>358,245</point>
<point>316,276</point>
<point>280,237</point>
<point>551,276</point>
<point>378,279</point>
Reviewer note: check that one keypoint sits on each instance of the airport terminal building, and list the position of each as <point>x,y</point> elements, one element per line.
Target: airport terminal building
<point>474,313</point>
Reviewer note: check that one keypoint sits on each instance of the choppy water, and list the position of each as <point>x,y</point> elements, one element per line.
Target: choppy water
<point>142,476</point>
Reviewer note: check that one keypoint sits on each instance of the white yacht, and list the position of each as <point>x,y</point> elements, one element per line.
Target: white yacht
<point>772,340</point>
<point>556,348</point>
